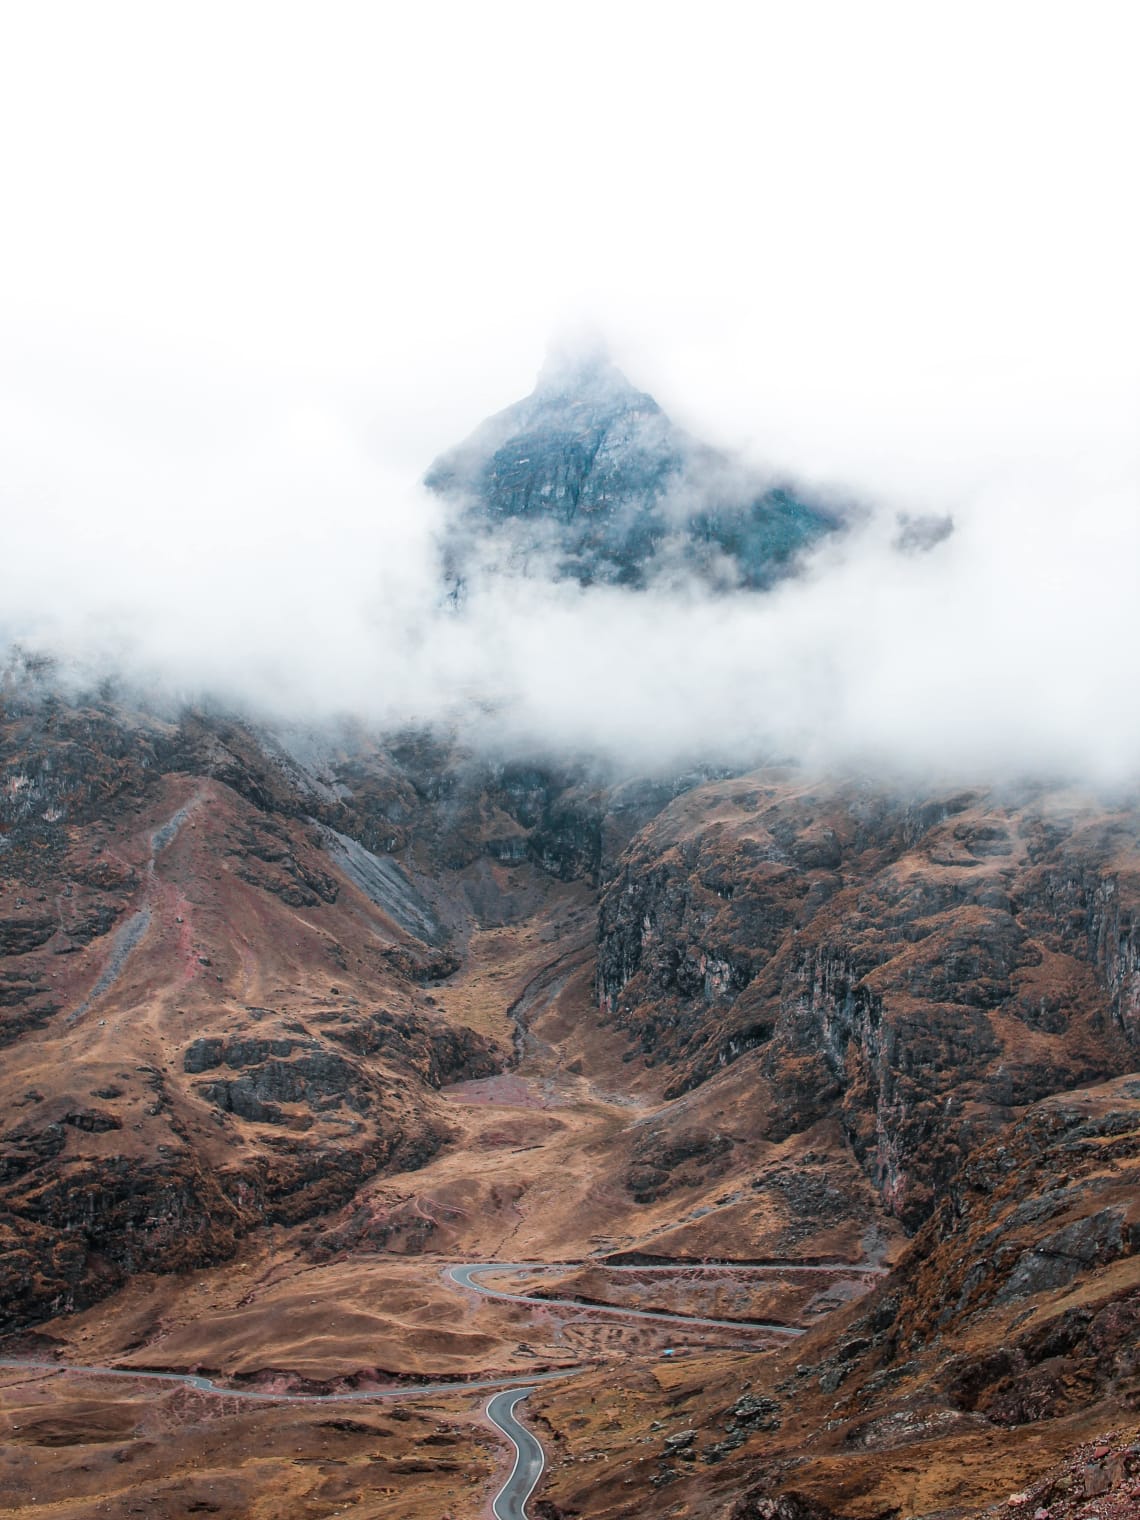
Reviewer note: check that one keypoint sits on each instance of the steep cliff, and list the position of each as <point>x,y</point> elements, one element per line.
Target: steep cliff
<point>919,968</point>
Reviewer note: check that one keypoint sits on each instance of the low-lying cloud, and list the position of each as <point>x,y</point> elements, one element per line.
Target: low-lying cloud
<point>290,571</point>
<point>258,272</point>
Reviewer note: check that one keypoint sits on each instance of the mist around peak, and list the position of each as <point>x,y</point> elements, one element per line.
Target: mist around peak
<point>294,574</point>
<point>297,579</point>
<point>580,360</point>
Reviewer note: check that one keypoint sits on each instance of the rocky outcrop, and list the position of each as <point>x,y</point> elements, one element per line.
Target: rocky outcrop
<point>25,932</point>
<point>302,1070</point>
<point>435,1052</point>
<point>761,1505</point>
<point>75,1227</point>
<point>919,967</point>
<point>994,1369</point>
<point>270,859</point>
<point>1052,1198</point>
<point>661,1165</point>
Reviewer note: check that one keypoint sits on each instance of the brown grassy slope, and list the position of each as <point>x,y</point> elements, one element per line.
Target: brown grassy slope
<point>1007,1335</point>
<point>255,1058</point>
<point>834,996</point>
<point>73,1449</point>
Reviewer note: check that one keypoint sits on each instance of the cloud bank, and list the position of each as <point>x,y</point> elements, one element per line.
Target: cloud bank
<point>258,272</point>
<point>295,575</point>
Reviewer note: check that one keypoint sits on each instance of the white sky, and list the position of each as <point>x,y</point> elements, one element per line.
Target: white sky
<point>259,263</point>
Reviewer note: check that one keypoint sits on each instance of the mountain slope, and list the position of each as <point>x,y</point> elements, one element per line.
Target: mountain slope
<point>294,1020</point>
<point>218,947</point>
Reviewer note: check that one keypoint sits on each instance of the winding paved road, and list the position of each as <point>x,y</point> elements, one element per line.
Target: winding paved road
<point>467,1276</point>
<point>510,1501</point>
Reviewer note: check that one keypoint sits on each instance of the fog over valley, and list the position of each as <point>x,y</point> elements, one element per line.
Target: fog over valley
<point>234,341</point>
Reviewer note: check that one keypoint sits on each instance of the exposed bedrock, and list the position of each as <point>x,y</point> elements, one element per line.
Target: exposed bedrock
<point>922,968</point>
<point>1048,1206</point>
<point>75,1226</point>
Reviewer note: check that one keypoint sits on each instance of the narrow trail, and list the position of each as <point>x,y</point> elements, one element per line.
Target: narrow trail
<point>133,931</point>
<point>354,1396</point>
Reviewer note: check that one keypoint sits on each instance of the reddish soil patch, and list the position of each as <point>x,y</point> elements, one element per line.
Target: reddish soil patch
<point>507,1090</point>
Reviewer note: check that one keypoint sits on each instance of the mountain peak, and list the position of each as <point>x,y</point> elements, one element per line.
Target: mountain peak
<point>588,477</point>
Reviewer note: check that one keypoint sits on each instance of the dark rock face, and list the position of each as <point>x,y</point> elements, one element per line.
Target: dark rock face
<point>19,935</point>
<point>208,1053</point>
<point>661,1166</point>
<point>318,1079</point>
<point>962,1355</point>
<point>303,1071</point>
<point>270,861</point>
<point>85,1227</point>
<point>73,1227</point>
<point>574,825</point>
<point>589,478</point>
<point>436,1052</point>
<point>918,968</point>
<point>790,1506</point>
<point>1056,1259</point>
<point>1006,1233</point>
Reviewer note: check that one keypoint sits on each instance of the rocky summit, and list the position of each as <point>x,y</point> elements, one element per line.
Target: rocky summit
<point>588,479</point>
